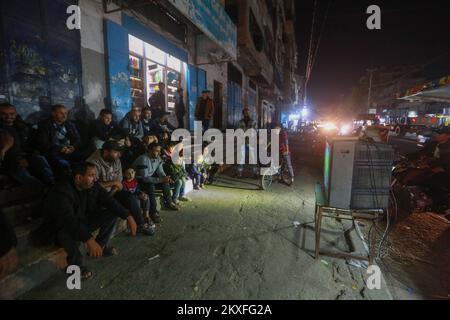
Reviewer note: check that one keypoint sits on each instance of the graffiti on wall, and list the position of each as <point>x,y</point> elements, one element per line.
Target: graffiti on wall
<point>41,63</point>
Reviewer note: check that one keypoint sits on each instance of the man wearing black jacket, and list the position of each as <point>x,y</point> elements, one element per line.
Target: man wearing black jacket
<point>103,129</point>
<point>75,209</point>
<point>58,140</point>
<point>22,162</point>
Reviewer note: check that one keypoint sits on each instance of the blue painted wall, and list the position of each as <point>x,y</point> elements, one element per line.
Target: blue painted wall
<point>196,83</point>
<point>40,60</point>
<point>117,68</point>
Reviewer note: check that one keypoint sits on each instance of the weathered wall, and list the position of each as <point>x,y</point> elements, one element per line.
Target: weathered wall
<point>92,53</point>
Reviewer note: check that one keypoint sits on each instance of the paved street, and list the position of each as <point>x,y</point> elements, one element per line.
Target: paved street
<point>232,242</point>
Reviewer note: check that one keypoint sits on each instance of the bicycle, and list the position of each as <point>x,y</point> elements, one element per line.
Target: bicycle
<point>278,173</point>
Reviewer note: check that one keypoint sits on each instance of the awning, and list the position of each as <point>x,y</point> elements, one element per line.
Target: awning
<point>434,91</point>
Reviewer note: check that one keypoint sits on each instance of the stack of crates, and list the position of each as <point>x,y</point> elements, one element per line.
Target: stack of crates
<point>372,176</point>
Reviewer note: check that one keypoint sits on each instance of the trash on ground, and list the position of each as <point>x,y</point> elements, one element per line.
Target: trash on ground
<point>155,257</point>
<point>297,224</point>
<point>358,263</point>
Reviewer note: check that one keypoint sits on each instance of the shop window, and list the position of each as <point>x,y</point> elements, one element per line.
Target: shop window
<point>173,63</point>
<point>173,83</point>
<point>136,45</point>
<point>155,75</point>
<point>149,69</point>
<point>155,54</point>
<point>137,81</point>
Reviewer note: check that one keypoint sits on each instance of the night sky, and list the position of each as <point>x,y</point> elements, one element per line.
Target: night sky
<point>413,32</point>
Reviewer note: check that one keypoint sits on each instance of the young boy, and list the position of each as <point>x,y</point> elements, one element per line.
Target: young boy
<point>131,185</point>
<point>197,172</point>
<point>177,172</point>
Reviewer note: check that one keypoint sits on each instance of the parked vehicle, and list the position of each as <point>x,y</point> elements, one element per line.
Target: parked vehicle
<point>273,174</point>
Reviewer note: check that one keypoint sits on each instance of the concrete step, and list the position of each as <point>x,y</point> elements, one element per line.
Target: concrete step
<point>36,265</point>
<point>39,264</point>
<point>18,194</point>
<point>23,212</point>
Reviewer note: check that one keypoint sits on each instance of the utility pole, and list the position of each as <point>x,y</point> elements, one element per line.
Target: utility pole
<point>369,98</point>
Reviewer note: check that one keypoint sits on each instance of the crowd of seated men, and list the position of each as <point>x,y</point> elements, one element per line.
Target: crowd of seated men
<point>88,185</point>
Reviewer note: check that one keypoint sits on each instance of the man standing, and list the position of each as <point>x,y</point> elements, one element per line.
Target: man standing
<point>180,109</point>
<point>75,208</point>
<point>204,109</point>
<point>247,123</point>
<point>157,101</point>
<point>109,176</point>
<point>58,140</point>
<point>150,172</point>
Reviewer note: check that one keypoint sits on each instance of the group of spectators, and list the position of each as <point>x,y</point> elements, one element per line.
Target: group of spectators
<point>116,173</point>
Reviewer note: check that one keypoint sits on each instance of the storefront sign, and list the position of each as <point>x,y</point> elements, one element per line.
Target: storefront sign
<point>210,17</point>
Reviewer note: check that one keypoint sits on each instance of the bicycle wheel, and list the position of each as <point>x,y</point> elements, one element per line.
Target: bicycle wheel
<point>266,181</point>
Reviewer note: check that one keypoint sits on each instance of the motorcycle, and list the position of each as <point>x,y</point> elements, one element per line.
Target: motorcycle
<point>410,186</point>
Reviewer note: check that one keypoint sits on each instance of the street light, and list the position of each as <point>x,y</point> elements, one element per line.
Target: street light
<point>305,112</point>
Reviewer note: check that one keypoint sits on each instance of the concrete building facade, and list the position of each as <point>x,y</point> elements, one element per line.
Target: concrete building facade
<point>243,51</point>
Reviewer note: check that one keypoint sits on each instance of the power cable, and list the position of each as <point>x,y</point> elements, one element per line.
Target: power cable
<point>310,53</point>
<point>321,33</point>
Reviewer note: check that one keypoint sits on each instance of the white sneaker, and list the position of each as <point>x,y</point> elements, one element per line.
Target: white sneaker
<point>185,199</point>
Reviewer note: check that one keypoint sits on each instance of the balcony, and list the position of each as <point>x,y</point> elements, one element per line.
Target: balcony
<point>252,41</point>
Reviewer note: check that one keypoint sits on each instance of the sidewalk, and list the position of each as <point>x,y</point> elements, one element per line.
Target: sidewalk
<point>232,242</point>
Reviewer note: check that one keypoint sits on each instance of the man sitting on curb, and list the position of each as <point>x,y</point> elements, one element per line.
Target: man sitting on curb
<point>77,207</point>
<point>150,172</point>
<point>109,176</point>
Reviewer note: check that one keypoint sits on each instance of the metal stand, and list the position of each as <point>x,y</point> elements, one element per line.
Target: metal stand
<point>322,210</point>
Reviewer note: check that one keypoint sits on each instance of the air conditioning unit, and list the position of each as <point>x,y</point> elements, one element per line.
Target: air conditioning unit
<point>357,174</point>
